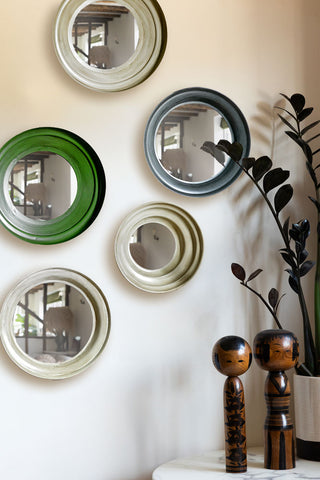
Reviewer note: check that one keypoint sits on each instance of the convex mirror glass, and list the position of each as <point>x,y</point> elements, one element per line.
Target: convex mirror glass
<point>158,247</point>
<point>52,185</point>
<point>110,45</point>
<point>54,323</point>
<point>178,128</point>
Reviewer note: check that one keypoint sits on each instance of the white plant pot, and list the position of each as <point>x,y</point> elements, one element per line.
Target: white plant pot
<point>307,416</point>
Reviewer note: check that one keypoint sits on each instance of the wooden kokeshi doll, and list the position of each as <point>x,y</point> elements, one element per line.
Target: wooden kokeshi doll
<point>277,351</point>
<point>232,356</point>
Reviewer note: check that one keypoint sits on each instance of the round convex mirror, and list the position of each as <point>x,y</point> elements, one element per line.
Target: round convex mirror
<point>178,128</point>
<point>42,185</point>
<point>52,185</point>
<point>152,246</point>
<point>105,34</point>
<point>55,323</point>
<point>110,45</point>
<point>158,247</point>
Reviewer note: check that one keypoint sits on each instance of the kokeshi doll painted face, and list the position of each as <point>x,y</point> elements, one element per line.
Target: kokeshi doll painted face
<point>276,350</point>
<point>232,355</point>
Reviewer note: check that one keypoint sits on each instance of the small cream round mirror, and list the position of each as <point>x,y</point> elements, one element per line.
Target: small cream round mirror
<point>54,323</point>
<point>158,247</point>
<point>110,45</point>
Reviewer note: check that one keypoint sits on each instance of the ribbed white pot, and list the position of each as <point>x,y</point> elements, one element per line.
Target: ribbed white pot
<point>307,416</point>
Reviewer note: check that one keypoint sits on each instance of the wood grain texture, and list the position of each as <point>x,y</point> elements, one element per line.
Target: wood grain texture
<point>277,351</point>
<point>232,356</point>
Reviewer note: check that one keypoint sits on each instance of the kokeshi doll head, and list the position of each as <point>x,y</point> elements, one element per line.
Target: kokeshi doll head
<point>232,355</point>
<point>276,350</point>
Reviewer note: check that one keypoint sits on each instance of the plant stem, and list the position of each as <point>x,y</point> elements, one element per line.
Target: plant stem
<point>310,352</point>
<point>265,303</point>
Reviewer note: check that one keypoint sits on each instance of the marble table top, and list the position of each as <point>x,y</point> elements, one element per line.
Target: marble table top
<point>211,466</point>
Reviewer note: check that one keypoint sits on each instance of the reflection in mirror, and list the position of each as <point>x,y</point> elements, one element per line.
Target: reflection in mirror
<point>52,322</point>
<point>42,185</point>
<point>105,34</point>
<point>152,246</point>
<point>180,136</point>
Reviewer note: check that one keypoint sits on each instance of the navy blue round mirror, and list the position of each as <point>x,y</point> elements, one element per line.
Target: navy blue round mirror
<point>177,129</point>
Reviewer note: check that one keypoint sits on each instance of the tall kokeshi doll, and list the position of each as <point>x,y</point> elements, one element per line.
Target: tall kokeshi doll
<point>232,356</point>
<point>277,351</point>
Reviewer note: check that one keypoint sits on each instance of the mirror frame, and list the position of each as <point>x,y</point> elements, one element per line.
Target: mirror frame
<point>91,185</point>
<point>147,56</point>
<point>187,255</point>
<point>236,122</point>
<point>95,344</point>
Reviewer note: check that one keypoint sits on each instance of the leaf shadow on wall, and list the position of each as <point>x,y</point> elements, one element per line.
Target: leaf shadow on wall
<point>258,244</point>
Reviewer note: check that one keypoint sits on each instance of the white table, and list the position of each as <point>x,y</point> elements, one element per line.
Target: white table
<point>211,466</point>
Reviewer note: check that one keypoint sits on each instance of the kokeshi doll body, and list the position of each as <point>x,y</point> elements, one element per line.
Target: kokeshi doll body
<point>232,356</point>
<point>277,351</point>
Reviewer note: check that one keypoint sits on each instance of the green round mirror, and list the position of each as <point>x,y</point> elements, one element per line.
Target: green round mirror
<point>52,185</point>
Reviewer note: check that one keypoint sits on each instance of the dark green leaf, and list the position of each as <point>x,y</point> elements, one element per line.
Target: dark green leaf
<point>304,114</point>
<point>234,150</point>
<point>238,271</point>
<point>286,228</point>
<point>306,129</point>
<point>273,297</point>
<point>254,274</point>
<point>293,282</point>
<point>260,167</point>
<point>307,151</point>
<point>287,111</point>
<point>285,121</point>
<point>297,101</point>
<point>276,307</point>
<point>286,97</point>
<point>306,267</point>
<point>274,178</point>
<point>247,163</point>
<point>282,197</point>
<point>294,137</point>
<point>287,258</point>
<point>212,148</point>
<point>303,255</point>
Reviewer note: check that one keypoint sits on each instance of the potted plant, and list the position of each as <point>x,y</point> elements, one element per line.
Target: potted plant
<point>267,178</point>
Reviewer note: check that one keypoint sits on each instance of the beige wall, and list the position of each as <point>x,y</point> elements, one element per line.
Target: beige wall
<point>153,394</point>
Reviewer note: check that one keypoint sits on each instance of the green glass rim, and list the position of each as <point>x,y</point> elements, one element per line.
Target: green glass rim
<point>91,185</point>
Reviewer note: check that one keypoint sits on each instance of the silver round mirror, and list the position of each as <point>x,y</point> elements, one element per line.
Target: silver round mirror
<point>178,128</point>
<point>158,247</point>
<point>110,45</point>
<point>54,323</point>
<point>41,185</point>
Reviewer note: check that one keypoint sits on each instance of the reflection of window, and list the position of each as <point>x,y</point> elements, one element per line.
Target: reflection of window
<point>29,315</point>
<point>104,34</point>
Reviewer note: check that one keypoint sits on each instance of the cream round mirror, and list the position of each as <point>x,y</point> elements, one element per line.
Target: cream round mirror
<point>110,45</point>
<point>54,323</point>
<point>158,247</point>
<point>178,128</point>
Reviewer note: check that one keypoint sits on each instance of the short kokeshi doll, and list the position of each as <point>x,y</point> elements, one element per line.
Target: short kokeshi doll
<point>232,356</point>
<point>277,351</point>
